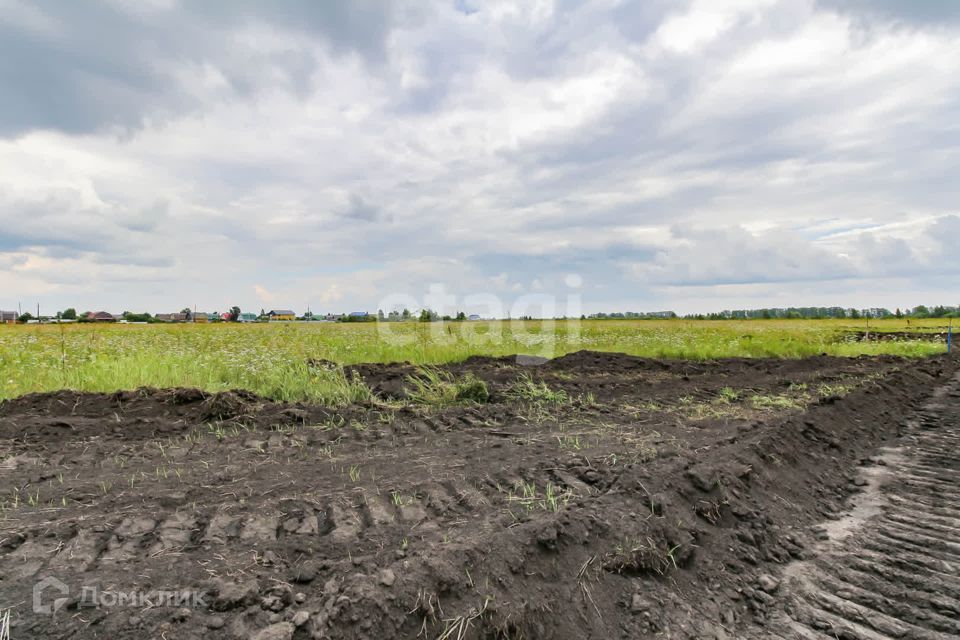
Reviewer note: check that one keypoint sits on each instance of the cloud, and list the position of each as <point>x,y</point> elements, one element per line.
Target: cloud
<point>671,155</point>
<point>923,13</point>
<point>103,65</point>
<point>737,256</point>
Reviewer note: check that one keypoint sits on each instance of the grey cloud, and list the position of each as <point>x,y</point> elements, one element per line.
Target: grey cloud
<point>916,12</point>
<point>360,26</point>
<point>52,222</point>
<point>58,228</point>
<point>359,209</point>
<point>147,218</point>
<point>734,256</point>
<point>101,67</point>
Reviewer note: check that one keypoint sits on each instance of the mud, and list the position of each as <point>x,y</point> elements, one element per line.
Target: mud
<point>898,336</point>
<point>639,498</point>
<point>890,567</point>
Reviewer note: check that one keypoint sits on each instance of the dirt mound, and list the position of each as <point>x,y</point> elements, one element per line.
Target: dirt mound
<point>897,336</point>
<point>595,495</point>
<point>140,413</point>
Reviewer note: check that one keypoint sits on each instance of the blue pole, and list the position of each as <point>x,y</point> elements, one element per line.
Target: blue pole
<point>950,336</point>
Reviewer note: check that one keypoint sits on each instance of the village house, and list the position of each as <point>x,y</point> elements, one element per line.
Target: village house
<point>278,315</point>
<point>101,316</point>
<point>201,316</point>
<point>8,317</point>
<point>171,317</point>
<point>248,317</point>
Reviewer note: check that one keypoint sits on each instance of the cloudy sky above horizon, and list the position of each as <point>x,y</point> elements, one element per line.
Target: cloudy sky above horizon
<point>688,155</point>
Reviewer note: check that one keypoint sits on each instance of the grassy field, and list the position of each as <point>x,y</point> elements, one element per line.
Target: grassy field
<point>271,359</point>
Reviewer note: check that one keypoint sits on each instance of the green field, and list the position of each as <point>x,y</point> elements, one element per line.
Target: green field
<point>271,359</point>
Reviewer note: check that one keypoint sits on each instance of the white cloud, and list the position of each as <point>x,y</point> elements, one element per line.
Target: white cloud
<point>334,156</point>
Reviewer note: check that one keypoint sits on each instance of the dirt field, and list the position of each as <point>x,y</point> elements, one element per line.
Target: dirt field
<point>591,496</point>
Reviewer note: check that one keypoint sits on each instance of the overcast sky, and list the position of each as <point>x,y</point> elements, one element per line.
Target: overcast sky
<point>693,156</point>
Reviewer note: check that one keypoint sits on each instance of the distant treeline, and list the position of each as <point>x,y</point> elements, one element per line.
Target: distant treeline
<point>814,313</point>
<point>797,313</point>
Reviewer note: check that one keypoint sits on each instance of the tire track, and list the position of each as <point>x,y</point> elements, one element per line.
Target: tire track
<point>891,567</point>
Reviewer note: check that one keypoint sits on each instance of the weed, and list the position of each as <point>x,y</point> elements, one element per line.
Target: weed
<point>525,388</point>
<point>643,556</point>
<point>728,395</point>
<point>554,499</point>
<point>433,386</point>
<point>525,494</point>
<point>826,390</point>
<point>775,402</point>
<point>5,624</point>
<point>456,628</point>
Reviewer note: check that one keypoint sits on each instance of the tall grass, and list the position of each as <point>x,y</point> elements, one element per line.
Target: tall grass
<point>272,359</point>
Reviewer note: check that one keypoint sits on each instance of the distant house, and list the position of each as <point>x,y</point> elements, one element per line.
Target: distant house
<point>201,316</point>
<point>171,317</point>
<point>247,317</point>
<point>225,315</point>
<point>277,315</point>
<point>8,317</point>
<point>101,316</point>
<point>473,316</point>
<point>333,317</point>
<point>359,314</point>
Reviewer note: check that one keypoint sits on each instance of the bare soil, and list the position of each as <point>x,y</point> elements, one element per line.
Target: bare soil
<point>898,336</point>
<point>593,496</point>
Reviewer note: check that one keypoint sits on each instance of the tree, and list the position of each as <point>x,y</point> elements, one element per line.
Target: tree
<point>461,316</point>
<point>187,313</point>
<point>69,314</point>
<point>234,314</point>
<point>25,317</point>
<point>426,315</point>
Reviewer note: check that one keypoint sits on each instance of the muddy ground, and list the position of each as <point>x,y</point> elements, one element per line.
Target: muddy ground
<point>897,336</point>
<point>591,496</point>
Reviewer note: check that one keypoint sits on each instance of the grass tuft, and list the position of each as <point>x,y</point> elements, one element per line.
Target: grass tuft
<point>525,388</point>
<point>435,387</point>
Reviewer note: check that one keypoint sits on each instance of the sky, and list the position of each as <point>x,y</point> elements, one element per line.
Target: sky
<point>597,156</point>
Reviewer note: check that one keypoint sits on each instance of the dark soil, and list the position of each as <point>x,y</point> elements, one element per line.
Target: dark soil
<point>645,500</point>
<point>898,336</point>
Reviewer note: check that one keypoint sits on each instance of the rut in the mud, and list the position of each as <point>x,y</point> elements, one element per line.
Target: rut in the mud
<point>891,567</point>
